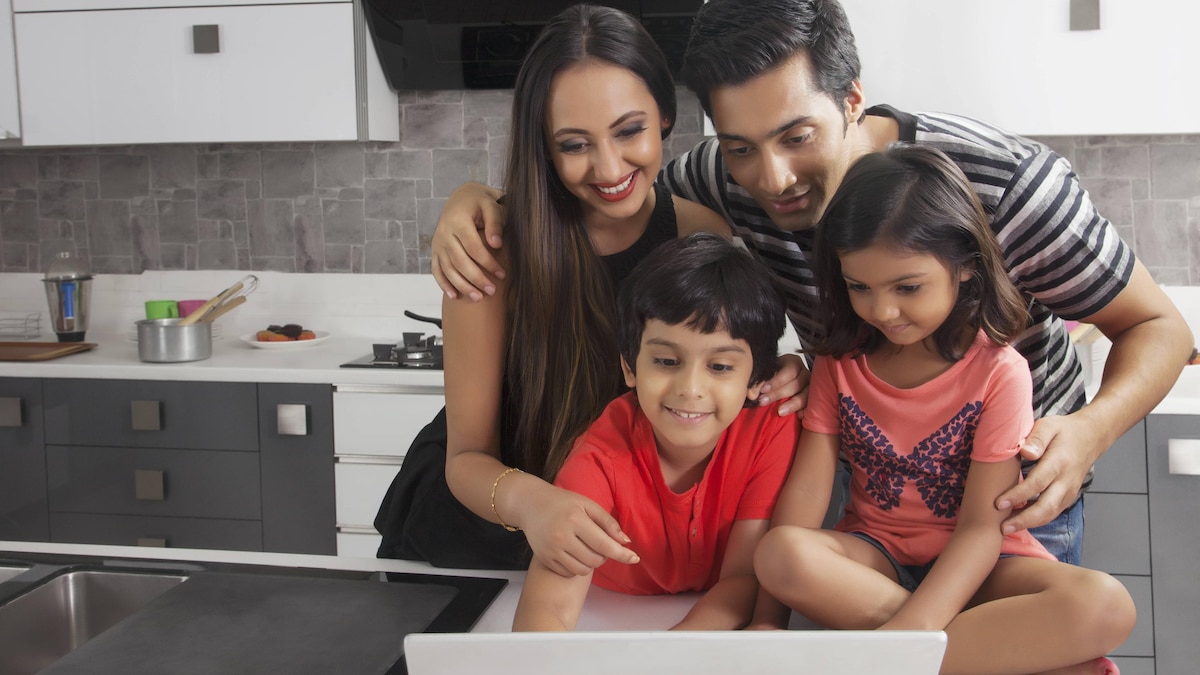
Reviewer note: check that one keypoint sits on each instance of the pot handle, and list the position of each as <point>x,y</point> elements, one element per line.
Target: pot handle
<point>426,319</point>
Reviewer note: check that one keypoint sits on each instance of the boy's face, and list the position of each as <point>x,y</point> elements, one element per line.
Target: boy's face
<point>690,385</point>
<point>788,143</point>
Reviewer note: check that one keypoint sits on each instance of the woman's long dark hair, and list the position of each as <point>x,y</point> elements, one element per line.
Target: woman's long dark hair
<point>562,366</point>
<point>914,198</point>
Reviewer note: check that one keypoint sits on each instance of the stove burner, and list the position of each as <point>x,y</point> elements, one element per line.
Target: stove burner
<point>415,351</point>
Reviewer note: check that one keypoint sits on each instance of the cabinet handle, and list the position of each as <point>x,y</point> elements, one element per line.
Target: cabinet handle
<point>153,542</point>
<point>149,485</point>
<point>1183,456</point>
<point>206,39</point>
<point>291,419</point>
<point>145,415</point>
<point>10,412</point>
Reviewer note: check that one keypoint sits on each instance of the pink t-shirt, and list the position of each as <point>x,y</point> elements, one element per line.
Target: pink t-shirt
<point>910,449</point>
<point>680,537</point>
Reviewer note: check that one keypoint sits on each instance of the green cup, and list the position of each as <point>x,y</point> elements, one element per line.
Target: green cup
<point>162,309</point>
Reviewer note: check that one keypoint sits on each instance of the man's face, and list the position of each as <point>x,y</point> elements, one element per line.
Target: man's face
<point>788,143</point>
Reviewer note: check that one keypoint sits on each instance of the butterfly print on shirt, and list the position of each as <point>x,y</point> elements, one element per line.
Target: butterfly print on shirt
<point>937,466</point>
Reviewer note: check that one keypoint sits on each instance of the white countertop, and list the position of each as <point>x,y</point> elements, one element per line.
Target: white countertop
<point>603,610</point>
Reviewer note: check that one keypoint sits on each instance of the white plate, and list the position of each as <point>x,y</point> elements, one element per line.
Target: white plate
<point>290,344</point>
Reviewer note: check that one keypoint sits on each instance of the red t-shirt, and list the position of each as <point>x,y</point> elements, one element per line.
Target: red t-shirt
<point>909,449</point>
<point>680,538</point>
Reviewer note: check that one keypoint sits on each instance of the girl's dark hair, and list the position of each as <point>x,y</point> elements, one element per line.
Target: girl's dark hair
<point>735,41</point>
<point>561,367</point>
<point>707,283</point>
<point>914,198</point>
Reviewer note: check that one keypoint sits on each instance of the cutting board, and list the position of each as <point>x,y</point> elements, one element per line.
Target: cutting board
<point>40,351</point>
<point>254,623</point>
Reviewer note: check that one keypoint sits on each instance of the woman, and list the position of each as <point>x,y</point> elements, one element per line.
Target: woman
<point>530,367</point>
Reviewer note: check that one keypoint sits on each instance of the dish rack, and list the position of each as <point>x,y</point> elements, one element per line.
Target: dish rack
<point>20,325</point>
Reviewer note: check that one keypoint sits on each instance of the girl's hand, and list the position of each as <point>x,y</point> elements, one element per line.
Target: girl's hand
<point>571,534</point>
<point>461,262</point>
<point>789,385</point>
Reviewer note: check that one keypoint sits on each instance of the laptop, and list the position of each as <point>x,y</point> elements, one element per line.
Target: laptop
<point>686,653</point>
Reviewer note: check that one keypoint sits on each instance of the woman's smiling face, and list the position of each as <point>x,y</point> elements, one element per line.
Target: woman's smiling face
<point>604,132</point>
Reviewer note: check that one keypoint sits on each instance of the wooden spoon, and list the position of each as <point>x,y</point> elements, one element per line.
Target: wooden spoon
<point>195,316</point>
<point>221,309</point>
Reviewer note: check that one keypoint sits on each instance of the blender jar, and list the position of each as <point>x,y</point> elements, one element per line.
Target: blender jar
<point>68,290</point>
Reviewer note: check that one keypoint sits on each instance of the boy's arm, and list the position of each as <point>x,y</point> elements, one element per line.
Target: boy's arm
<point>969,556</point>
<point>550,601</point>
<point>729,604</point>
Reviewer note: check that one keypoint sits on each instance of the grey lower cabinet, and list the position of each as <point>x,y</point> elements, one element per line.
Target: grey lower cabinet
<point>218,465</point>
<point>23,512</point>
<point>1117,540</point>
<point>1173,473</point>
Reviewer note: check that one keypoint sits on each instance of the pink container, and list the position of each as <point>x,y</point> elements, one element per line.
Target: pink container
<point>188,306</point>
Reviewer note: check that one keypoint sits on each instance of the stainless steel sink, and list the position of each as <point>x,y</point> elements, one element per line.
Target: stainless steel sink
<point>42,625</point>
<point>7,572</point>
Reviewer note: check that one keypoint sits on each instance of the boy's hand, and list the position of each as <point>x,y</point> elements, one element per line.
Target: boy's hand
<point>461,262</point>
<point>572,535</point>
<point>789,385</point>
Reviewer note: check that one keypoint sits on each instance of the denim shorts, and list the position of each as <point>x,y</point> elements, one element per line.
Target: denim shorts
<point>1063,536</point>
<point>909,576</point>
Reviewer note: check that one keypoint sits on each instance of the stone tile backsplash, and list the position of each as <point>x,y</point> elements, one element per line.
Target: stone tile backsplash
<point>372,207</point>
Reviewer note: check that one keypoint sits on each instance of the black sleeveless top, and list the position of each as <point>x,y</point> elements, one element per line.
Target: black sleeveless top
<point>662,227</point>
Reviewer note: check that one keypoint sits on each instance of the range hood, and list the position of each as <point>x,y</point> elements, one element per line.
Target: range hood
<point>479,44</point>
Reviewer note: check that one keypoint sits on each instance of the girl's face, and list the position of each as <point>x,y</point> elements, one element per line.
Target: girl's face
<point>906,295</point>
<point>604,132</point>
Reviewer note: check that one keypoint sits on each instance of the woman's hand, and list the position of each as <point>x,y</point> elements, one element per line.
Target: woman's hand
<point>571,534</point>
<point>789,385</point>
<point>461,261</point>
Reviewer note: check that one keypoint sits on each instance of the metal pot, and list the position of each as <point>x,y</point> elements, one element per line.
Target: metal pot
<point>165,341</point>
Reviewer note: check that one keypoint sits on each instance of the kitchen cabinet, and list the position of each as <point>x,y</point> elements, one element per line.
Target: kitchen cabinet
<point>126,71</point>
<point>373,427</point>
<point>10,120</point>
<point>23,512</point>
<point>222,465</point>
<point>1173,472</point>
<point>1117,539</point>
<point>1017,64</point>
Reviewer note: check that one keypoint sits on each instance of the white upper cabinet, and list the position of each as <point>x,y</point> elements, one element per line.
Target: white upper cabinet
<point>1017,64</point>
<point>10,116</point>
<point>187,74</point>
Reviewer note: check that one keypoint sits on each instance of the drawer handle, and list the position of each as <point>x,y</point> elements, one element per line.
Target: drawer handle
<point>1183,456</point>
<point>152,542</point>
<point>149,485</point>
<point>291,419</point>
<point>145,415</point>
<point>386,460</point>
<point>10,412</point>
<point>206,39</point>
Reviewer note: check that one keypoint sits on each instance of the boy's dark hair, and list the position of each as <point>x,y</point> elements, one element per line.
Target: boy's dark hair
<point>914,198</point>
<point>735,41</point>
<point>707,283</point>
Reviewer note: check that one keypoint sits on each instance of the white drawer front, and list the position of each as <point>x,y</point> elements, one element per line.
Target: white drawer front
<point>357,545</point>
<point>359,490</point>
<point>283,73</point>
<point>371,423</point>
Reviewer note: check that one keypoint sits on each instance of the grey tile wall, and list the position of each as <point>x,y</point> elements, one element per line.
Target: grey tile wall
<point>372,207</point>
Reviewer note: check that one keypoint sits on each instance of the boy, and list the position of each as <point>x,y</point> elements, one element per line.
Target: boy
<point>686,462</point>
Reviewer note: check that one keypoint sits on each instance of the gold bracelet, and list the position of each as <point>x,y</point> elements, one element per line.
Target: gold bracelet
<point>495,485</point>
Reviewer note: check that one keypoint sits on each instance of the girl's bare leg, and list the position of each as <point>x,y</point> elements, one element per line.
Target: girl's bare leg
<point>832,578</point>
<point>1040,616</point>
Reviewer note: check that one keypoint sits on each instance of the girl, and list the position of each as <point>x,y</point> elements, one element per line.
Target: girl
<point>528,369</point>
<point>915,386</point>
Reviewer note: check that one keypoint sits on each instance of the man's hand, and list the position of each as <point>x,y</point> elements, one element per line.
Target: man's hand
<point>461,261</point>
<point>1065,447</point>
<point>789,385</point>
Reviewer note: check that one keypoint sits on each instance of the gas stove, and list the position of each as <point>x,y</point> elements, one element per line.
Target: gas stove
<point>416,350</point>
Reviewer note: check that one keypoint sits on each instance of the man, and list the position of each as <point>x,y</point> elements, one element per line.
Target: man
<point>779,79</point>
